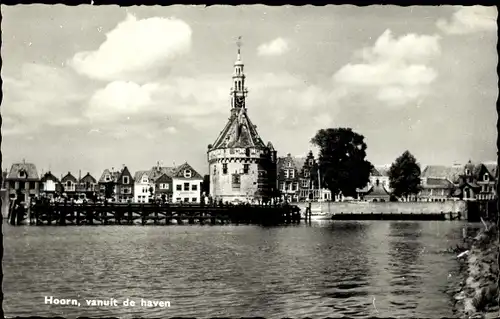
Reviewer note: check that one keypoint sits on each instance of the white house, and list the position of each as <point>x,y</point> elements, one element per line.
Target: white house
<point>142,185</point>
<point>186,184</point>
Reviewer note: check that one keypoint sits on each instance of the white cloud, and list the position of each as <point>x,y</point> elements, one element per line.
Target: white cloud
<point>134,48</point>
<point>41,96</point>
<point>278,46</point>
<point>394,70</point>
<point>470,19</point>
<point>120,98</point>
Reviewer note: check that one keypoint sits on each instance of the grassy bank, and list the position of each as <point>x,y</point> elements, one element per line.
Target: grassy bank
<point>477,295</point>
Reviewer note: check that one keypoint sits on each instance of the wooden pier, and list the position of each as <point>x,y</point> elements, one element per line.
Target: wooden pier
<point>62,214</point>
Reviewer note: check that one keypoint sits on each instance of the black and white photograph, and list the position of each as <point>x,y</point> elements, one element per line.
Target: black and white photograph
<point>232,161</point>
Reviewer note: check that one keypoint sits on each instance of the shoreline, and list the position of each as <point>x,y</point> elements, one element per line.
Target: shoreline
<point>477,293</point>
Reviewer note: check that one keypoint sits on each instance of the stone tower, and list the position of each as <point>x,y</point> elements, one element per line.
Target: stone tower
<point>241,166</point>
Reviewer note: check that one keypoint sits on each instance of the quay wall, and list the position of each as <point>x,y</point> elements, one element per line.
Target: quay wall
<point>5,202</point>
<point>386,207</point>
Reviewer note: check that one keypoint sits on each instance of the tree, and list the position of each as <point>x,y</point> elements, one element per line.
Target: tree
<point>404,176</point>
<point>342,163</point>
<point>205,185</point>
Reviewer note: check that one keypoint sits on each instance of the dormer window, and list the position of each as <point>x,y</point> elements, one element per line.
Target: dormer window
<point>289,164</point>
<point>22,174</point>
<point>486,177</point>
<point>125,179</point>
<point>68,183</point>
<point>187,173</point>
<point>467,172</point>
<point>144,179</point>
<point>107,178</point>
<point>311,162</point>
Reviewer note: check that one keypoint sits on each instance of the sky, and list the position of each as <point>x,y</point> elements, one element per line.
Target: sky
<point>95,87</point>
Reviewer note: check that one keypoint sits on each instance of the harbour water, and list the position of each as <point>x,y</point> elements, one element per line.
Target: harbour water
<point>332,268</point>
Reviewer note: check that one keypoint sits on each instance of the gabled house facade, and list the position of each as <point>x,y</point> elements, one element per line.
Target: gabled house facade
<point>117,186</point>
<point>186,184</point>
<point>87,187</point>
<point>486,180</point>
<point>142,187</point>
<point>23,180</point>
<point>440,182</point>
<point>289,179</point>
<point>69,183</point>
<point>50,186</point>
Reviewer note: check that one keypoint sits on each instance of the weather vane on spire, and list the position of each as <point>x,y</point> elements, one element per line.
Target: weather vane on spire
<point>239,43</point>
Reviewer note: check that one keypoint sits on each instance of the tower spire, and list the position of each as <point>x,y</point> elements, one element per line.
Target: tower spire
<point>238,91</point>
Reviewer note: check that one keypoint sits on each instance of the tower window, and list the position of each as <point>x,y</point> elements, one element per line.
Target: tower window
<point>224,168</point>
<point>246,168</point>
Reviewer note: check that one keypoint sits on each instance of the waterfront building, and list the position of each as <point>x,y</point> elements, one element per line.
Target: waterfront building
<point>23,181</point>
<point>87,187</point>
<point>50,185</point>
<point>486,179</point>
<point>378,186</point>
<point>117,185</point>
<point>440,182</point>
<point>172,184</point>
<point>241,166</point>
<point>69,183</point>
<point>143,187</point>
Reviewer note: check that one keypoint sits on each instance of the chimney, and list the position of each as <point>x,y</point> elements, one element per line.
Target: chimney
<point>79,175</point>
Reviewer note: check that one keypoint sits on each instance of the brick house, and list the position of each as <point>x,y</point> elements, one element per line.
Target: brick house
<point>117,185</point>
<point>289,179</point>
<point>439,182</point>
<point>23,180</point>
<point>158,180</point>
<point>486,180</point>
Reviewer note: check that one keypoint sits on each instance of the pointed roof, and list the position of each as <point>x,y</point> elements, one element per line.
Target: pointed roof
<point>113,175</point>
<point>68,176</point>
<point>377,190</point>
<point>49,176</point>
<point>139,174</point>
<point>88,178</point>
<point>28,168</point>
<point>492,169</point>
<point>179,172</point>
<point>239,132</point>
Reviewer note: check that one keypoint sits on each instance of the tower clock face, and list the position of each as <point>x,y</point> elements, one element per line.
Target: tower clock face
<point>240,101</point>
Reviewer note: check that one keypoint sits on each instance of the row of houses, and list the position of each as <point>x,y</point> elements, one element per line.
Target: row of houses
<point>298,181</point>
<point>173,184</point>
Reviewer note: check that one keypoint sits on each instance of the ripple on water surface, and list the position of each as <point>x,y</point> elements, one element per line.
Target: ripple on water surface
<point>356,269</point>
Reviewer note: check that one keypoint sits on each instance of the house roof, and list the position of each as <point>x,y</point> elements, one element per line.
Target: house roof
<point>438,183</point>
<point>452,173</point>
<point>69,176</point>
<point>114,176</point>
<point>239,132</point>
<point>492,169</point>
<point>29,168</point>
<point>157,171</point>
<point>139,174</point>
<point>49,176</point>
<point>297,162</point>
<point>378,190</point>
<point>179,172</point>
<point>88,177</point>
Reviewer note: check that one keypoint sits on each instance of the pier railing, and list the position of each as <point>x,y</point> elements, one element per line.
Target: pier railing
<point>166,214</point>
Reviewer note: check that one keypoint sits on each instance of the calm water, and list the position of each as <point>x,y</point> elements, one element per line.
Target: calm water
<point>356,269</point>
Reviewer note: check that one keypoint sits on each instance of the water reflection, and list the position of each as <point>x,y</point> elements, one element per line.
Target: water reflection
<point>321,270</point>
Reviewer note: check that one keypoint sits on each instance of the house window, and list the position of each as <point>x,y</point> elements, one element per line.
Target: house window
<point>467,172</point>
<point>125,179</point>
<point>186,186</point>
<point>107,178</point>
<point>194,187</point>
<point>281,186</point>
<point>224,168</point>
<point>194,199</point>
<point>186,199</point>
<point>32,185</point>
<point>187,173</point>
<point>305,183</point>
<point>144,179</point>
<point>311,162</point>
<point>246,168</point>
<point>236,181</point>
<point>486,177</point>
<point>68,183</point>
<point>377,182</point>
<point>178,187</point>
<point>22,174</point>
<point>289,164</point>
<point>12,184</point>
<point>292,173</point>
<point>306,173</point>
<point>286,173</point>
<point>247,152</point>
<point>295,186</point>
